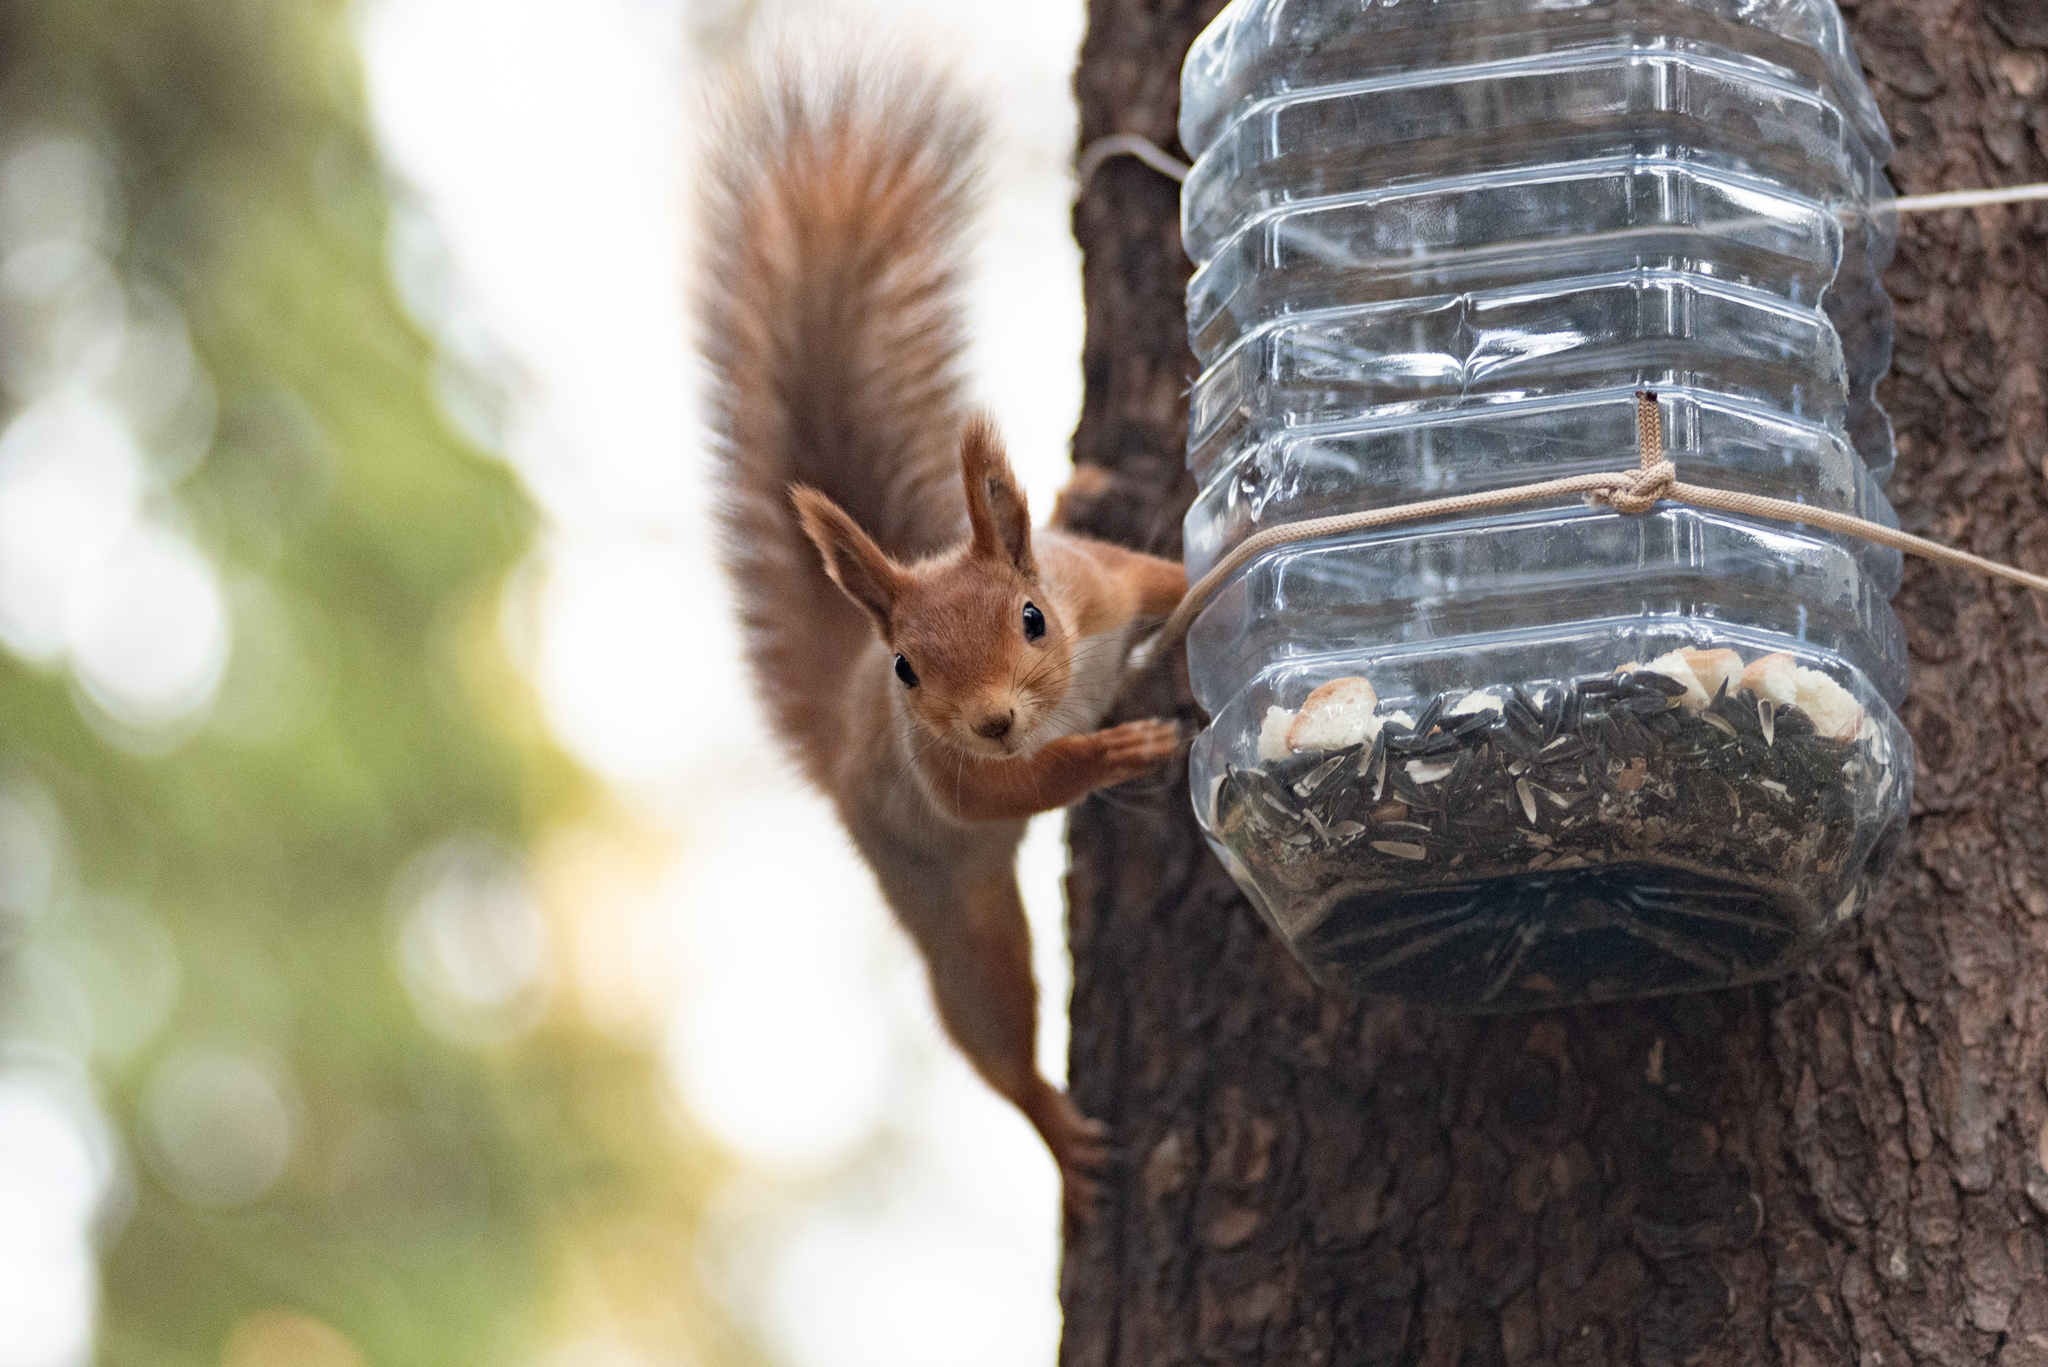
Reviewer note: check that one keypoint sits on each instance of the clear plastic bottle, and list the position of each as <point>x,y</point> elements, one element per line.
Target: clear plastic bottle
<point>1553,754</point>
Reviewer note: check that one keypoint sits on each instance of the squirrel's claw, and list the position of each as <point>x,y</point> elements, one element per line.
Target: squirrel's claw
<point>1132,749</point>
<point>1082,1149</point>
<point>1080,1198</point>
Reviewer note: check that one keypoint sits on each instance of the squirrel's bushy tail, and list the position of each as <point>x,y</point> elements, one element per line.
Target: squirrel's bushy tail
<point>836,202</point>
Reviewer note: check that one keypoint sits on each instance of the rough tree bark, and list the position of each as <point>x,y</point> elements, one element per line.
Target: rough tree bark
<point>1844,1166</point>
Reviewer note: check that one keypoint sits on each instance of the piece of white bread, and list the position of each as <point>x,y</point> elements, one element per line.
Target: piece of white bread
<point>1774,677</point>
<point>1273,735</point>
<point>1827,704</point>
<point>1714,668</point>
<point>1338,714</point>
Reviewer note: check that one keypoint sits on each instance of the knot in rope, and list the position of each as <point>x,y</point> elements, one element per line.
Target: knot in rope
<point>1640,489</point>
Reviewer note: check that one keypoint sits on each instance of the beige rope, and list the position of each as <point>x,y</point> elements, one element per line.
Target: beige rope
<point>1127,145</point>
<point>1960,199</point>
<point>1633,492</point>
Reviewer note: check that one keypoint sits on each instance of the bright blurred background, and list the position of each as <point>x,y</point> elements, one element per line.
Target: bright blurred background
<point>413,952</point>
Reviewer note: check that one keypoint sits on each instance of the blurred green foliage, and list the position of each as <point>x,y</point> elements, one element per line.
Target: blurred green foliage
<point>440,1191</point>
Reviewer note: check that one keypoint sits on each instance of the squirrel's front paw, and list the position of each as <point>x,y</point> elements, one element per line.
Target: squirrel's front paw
<point>1132,749</point>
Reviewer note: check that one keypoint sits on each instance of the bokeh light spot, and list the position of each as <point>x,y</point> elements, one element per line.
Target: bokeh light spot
<point>217,1128</point>
<point>65,316</point>
<point>56,186</point>
<point>54,1172</point>
<point>70,486</point>
<point>161,386</point>
<point>472,944</point>
<point>599,1351</point>
<point>287,1338</point>
<point>42,1001</point>
<point>149,633</point>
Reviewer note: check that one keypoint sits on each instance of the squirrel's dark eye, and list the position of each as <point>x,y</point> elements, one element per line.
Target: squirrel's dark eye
<point>1034,622</point>
<point>905,672</point>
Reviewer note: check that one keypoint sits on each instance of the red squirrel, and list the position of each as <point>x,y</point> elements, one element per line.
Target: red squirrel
<point>936,667</point>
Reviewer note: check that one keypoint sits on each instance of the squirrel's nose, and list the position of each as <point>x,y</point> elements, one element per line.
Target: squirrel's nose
<point>994,726</point>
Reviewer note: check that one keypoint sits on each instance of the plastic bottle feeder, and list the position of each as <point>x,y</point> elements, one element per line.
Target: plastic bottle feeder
<point>1555,754</point>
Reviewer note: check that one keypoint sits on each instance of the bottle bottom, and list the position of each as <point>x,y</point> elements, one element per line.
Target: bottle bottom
<point>1559,842</point>
<point>1530,942</point>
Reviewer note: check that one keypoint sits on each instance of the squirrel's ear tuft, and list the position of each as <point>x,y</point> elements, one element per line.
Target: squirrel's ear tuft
<point>995,501</point>
<point>857,565</point>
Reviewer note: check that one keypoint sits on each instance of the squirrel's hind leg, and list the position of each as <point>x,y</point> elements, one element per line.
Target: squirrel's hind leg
<point>979,956</point>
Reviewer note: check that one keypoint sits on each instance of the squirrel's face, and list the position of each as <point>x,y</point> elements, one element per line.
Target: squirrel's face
<point>979,648</point>
<point>982,660</point>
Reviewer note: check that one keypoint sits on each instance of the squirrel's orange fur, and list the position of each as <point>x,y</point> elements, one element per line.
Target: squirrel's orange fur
<point>871,518</point>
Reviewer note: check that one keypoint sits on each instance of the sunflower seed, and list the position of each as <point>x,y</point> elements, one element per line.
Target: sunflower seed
<point>1429,771</point>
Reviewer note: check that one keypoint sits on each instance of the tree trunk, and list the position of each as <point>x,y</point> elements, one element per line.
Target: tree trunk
<point>1843,1166</point>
